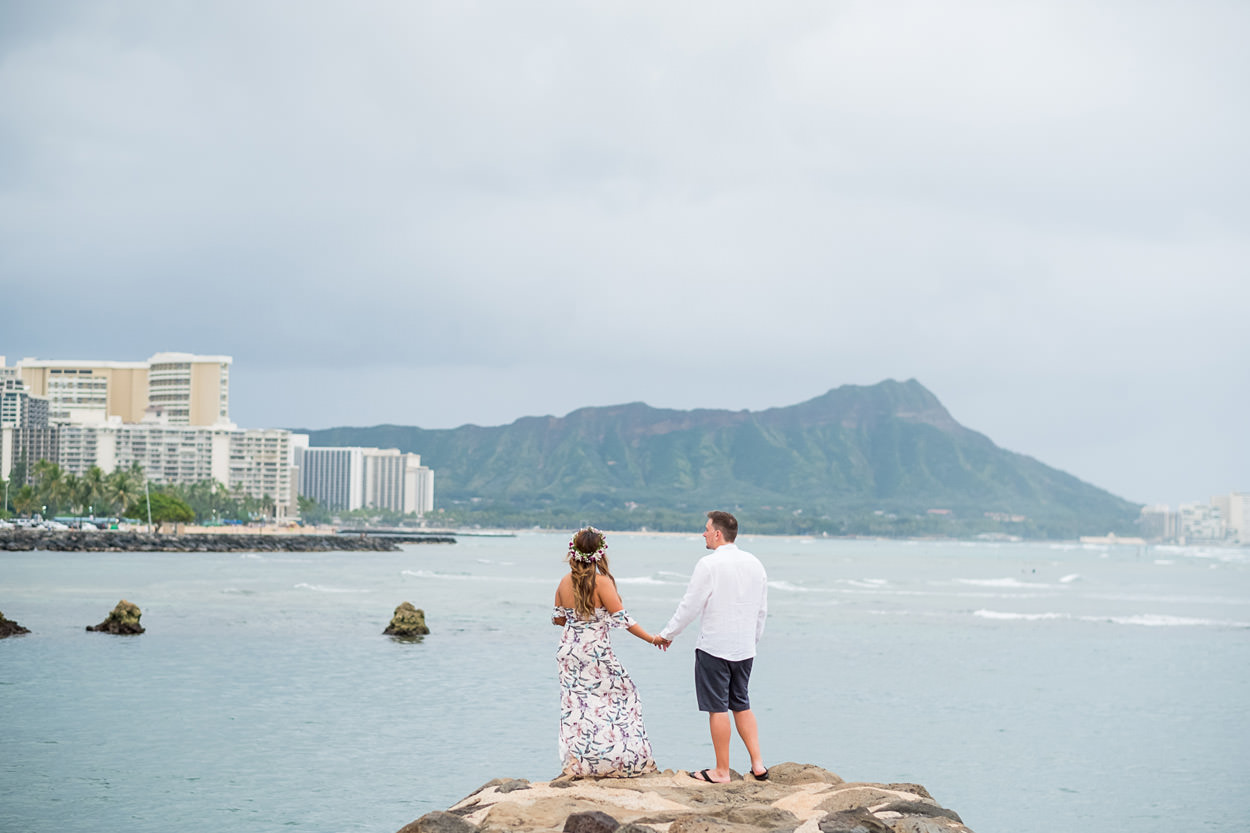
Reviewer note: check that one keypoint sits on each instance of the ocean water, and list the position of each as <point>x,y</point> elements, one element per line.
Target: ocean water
<point>1033,688</point>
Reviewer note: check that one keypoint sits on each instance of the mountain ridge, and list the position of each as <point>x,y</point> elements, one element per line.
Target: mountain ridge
<point>881,459</point>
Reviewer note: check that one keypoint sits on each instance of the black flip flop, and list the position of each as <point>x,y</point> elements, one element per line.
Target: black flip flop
<point>761,777</point>
<point>701,775</point>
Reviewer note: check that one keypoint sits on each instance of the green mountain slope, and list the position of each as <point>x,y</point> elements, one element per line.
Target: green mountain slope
<point>882,459</point>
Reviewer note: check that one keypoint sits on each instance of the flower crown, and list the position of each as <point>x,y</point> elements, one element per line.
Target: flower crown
<point>588,557</point>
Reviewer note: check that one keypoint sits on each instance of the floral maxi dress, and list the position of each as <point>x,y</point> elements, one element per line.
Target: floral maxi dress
<point>601,731</point>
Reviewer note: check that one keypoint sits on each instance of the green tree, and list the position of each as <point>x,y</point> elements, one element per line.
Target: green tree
<point>210,500</point>
<point>92,486</point>
<point>166,508</point>
<point>52,485</point>
<point>123,487</point>
<point>312,512</point>
<point>25,500</point>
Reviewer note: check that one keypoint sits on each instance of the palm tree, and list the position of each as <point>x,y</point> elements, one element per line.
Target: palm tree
<point>25,500</point>
<point>74,493</point>
<point>52,485</point>
<point>123,487</point>
<point>93,486</point>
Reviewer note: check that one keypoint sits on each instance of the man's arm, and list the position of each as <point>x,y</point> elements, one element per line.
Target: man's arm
<point>691,604</point>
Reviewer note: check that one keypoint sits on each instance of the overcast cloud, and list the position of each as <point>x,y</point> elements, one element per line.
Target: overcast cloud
<point>440,213</point>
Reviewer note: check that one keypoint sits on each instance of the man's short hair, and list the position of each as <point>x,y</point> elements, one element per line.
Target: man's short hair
<point>726,523</point>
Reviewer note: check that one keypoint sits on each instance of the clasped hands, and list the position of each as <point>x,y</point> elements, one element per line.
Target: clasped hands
<point>660,642</point>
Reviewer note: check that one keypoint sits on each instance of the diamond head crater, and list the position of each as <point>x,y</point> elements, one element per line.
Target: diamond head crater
<point>878,460</point>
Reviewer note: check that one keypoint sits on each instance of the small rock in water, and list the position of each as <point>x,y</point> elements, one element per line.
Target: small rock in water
<point>123,620</point>
<point>407,621</point>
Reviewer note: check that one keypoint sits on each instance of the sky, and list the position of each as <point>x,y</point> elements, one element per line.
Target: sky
<point>440,213</point>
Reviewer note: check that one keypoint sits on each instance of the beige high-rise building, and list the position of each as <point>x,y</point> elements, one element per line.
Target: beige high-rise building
<point>88,391</point>
<point>185,389</point>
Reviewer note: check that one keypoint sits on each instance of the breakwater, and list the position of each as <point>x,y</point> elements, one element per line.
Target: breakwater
<point>22,540</point>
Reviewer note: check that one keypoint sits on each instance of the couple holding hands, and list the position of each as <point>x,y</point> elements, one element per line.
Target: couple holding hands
<point>601,728</point>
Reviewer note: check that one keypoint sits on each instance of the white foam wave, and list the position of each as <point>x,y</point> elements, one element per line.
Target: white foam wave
<point>790,587</point>
<point>1150,620</point>
<point>1155,620</point>
<point>1163,562</point>
<point>645,580</point>
<point>1028,617</point>
<point>321,588</point>
<point>1068,579</point>
<point>869,583</point>
<point>434,574</point>
<point>1014,583</point>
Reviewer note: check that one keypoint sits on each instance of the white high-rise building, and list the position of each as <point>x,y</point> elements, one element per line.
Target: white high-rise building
<point>1234,508</point>
<point>334,477</point>
<point>398,481</point>
<point>254,461</point>
<point>348,478</point>
<point>1200,522</point>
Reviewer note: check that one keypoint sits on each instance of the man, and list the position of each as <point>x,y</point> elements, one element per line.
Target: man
<point>729,590</point>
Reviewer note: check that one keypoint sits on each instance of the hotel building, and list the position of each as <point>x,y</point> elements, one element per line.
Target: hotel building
<point>254,461</point>
<point>188,389</point>
<point>347,478</point>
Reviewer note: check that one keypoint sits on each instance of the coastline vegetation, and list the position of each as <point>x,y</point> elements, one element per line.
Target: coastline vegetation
<point>126,493</point>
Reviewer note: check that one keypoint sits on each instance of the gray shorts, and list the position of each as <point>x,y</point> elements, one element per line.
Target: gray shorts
<point>721,684</point>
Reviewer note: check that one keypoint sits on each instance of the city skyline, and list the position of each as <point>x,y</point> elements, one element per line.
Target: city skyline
<point>437,216</point>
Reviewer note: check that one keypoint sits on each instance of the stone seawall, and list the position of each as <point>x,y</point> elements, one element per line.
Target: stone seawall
<point>15,540</point>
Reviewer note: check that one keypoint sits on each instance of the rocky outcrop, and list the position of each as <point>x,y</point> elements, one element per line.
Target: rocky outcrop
<point>123,620</point>
<point>14,540</point>
<point>10,628</point>
<point>407,622</point>
<point>796,798</point>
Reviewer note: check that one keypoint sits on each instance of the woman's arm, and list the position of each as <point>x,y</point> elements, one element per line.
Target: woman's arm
<point>611,600</point>
<point>558,620</point>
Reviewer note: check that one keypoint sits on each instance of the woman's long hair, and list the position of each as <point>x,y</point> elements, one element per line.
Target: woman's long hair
<point>584,573</point>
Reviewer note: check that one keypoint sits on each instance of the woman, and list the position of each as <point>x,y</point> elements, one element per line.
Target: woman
<point>601,731</point>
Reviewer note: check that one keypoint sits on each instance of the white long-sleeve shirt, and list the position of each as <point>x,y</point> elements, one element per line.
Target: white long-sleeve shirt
<point>729,589</point>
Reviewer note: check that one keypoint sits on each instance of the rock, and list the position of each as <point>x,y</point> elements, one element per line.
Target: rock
<point>789,773</point>
<point>10,628</point>
<point>851,796</point>
<point>407,621</point>
<point>73,540</point>
<point>708,824</point>
<point>914,824</point>
<point>798,798</point>
<point>635,828</point>
<point>123,620</point>
<point>439,822</point>
<point>853,821</point>
<point>918,808</point>
<point>595,821</point>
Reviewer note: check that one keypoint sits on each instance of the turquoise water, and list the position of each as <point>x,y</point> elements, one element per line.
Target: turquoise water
<point>1032,687</point>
